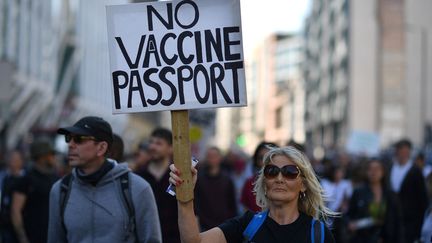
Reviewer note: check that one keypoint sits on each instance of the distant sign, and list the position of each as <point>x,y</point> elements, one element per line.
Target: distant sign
<point>176,55</point>
<point>363,143</point>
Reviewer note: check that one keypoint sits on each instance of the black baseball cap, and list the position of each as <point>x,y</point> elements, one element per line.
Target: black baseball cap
<point>90,126</point>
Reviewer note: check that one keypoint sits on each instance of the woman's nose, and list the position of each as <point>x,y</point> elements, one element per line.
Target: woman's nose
<point>279,177</point>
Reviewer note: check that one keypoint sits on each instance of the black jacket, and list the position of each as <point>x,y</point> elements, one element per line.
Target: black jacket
<point>391,230</point>
<point>414,201</point>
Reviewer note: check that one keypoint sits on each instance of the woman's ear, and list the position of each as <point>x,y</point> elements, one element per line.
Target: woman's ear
<point>303,187</point>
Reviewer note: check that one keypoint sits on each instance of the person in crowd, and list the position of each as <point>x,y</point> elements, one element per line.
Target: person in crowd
<point>228,162</point>
<point>359,172</point>
<point>247,197</point>
<point>338,192</point>
<point>426,232</point>
<point>14,171</point>
<point>344,160</point>
<point>300,147</point>
<point>420,161</point>
<point>408,182</point>
<point>141,158</point>
<point>291,197</point>
<point>239,176</point>
<point>215,193</point>
<point>374,210</point>
<point>116,152</point>
<point>337,189</point>
<point>157,174</point>
<point>101,200</point>
<point>30,197</point>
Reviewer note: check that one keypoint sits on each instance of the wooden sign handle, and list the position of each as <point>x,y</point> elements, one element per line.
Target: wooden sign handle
<point>182,153</point>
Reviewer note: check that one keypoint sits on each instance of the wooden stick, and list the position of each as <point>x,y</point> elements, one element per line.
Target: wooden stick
<point>182,153</point>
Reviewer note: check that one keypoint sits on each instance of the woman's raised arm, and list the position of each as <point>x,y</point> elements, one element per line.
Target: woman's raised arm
<point>188,226</point>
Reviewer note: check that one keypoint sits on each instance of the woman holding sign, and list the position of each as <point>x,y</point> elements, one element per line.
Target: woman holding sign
<point>290,195</point>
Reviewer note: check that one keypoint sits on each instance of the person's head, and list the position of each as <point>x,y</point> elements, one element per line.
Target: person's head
<point>142,155</point>
<point>259,153</point>
<point>116,151</point>
<point>214,157</point>
<point>42,153</point>
<point>376,172</point>
<point>336,173</point>
<point>15,161</point>
<point>403,150</point>
<point>288,178</point>
<point>89,140</point>
<point>420,160</point>
<point>298,146</point>
<point>160,145</point>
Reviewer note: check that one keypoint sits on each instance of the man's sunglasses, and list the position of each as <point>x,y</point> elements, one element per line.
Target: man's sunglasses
<point>78,139</point>
<point>290,172</point>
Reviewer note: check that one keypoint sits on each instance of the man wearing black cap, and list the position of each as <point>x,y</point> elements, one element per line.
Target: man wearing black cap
<point>29,209</point>
<point>103,201</point>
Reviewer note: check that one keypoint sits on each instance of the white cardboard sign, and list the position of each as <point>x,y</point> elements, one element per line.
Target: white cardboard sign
<point>363,143</point>
<point>176,55</point>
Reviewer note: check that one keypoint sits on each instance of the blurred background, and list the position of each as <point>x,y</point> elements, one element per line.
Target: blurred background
<point>334,75</point>
<point>341,80</point>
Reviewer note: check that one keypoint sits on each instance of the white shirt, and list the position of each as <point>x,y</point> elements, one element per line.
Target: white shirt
<point>427,169</point>
<point>336,193</point>
<point>426,232</point>
<point>398,173</point>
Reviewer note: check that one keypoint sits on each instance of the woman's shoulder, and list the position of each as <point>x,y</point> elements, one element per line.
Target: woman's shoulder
<point>239,222</point>
<point>233,228</point>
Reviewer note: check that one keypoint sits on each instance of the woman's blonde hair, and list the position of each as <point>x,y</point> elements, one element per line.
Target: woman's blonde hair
<point>313,201</point>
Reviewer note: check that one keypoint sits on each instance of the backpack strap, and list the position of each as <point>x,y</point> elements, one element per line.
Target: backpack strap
<point>255,223</point>
<point>65,189</point>
<point>317,231</point>
<point>127,197</point>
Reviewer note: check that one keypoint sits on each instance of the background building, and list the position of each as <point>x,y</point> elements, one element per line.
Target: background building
<point>365,70</point>
<point>54,70</point>
<point>275,110</point>
<point>37,60</point>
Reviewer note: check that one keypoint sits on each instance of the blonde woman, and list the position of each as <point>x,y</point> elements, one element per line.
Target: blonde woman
<point>290,195</point>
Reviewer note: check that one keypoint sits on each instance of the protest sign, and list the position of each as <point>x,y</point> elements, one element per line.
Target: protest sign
<point>363,143</point>
<point>176,55</point>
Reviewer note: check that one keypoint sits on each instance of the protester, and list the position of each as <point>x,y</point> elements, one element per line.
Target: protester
<point>290,195</point>
<point>408,182</point>
<point>300,147</point>
<point>13,172</point>
<point>116,152</point>
<point>157,174</point>
<point>215,193</point>
<point>141,158</point>
<point>239,176</point>
<point>247,197</point>
<point>337,189</point>
<point>100,201</point>
<point>426,233</point>
<point>420,161</point>
<point>374,212</point>
<point>30,197</point>
<point>338,192</point>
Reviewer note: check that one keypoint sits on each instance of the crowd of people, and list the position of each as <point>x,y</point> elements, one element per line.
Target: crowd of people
<point>101,195</point>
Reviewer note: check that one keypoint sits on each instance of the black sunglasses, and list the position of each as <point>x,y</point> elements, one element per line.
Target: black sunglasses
<point>290,172</point>
<point>78,139</point>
